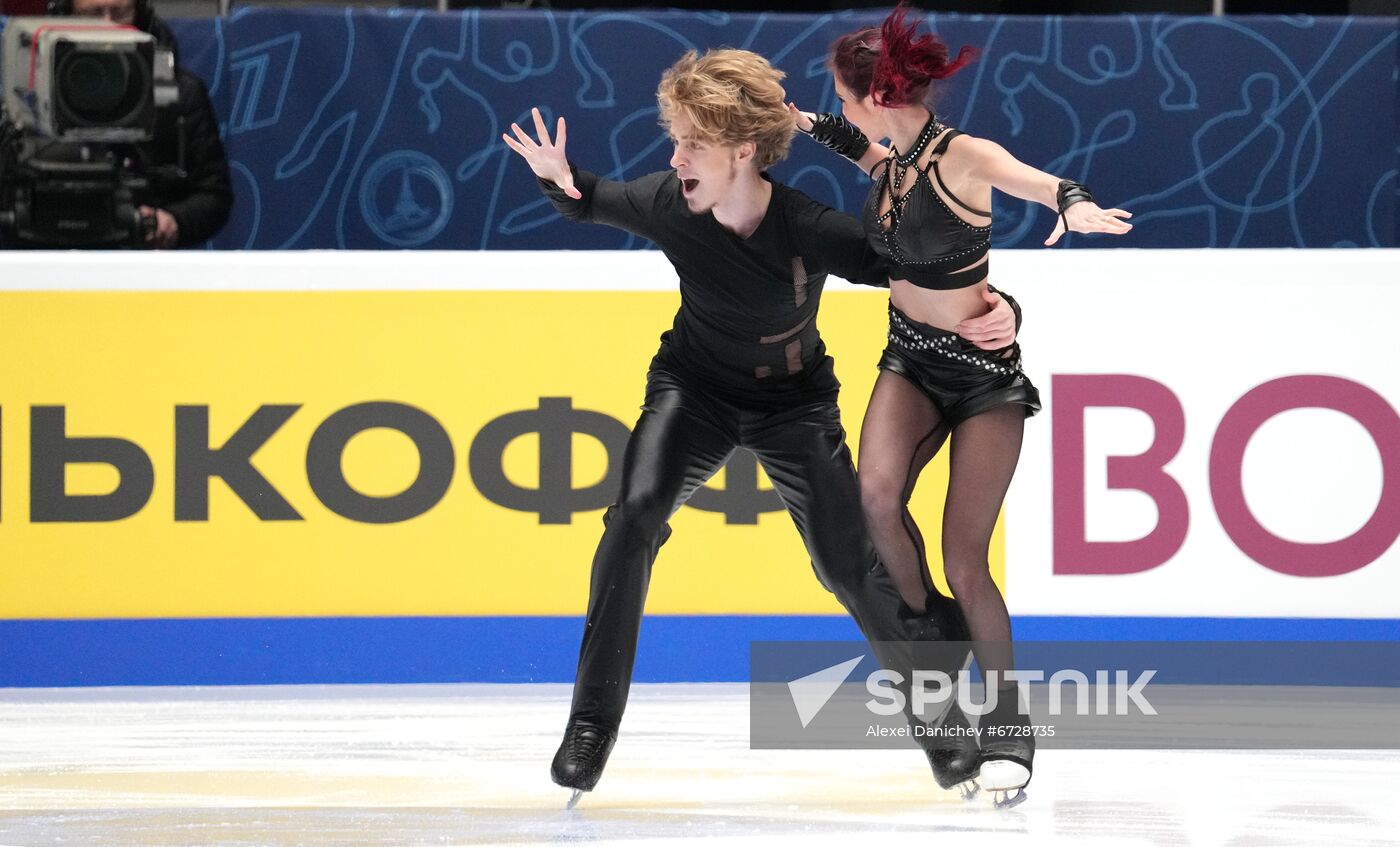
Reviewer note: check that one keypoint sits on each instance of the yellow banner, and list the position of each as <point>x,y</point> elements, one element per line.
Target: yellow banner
<point>337,393</point>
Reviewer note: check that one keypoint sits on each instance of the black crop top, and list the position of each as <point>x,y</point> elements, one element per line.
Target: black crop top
<point>926,242</point>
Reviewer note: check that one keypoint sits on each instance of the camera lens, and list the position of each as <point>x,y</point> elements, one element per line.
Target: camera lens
<point>100,88</point>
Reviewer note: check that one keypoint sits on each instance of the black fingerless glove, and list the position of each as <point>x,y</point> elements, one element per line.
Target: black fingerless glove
<point>1069,193</point>
<point>840,135</point>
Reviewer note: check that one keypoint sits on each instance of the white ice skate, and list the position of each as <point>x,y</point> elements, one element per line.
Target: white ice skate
<point>1007,751</point>
<point>1006,779</point>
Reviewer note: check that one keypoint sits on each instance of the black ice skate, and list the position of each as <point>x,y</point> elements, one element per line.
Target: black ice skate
<point>953,753</point>
<point>1008,748</point>
<point>950,744</point>
<point>581,757</point>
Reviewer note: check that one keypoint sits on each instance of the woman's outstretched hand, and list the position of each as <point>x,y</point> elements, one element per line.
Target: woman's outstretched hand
<point>1088,217</point>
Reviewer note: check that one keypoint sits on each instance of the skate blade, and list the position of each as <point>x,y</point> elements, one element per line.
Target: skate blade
<point>968,790</point>
<point>573,799</point>
<point>1008,799</point>
<point>1003,775</point>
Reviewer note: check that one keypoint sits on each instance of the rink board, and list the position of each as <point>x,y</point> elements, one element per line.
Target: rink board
<point>1276,497</point>
<point>673,648</point>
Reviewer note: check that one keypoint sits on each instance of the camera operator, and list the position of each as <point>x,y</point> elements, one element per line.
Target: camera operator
<point>189,194</point>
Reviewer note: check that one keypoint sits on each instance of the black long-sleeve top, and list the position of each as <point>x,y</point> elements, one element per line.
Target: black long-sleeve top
<point>200,199</point>
<point>747,327</point>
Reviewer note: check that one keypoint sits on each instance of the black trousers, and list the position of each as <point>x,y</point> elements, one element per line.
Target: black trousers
<point>684,436</point>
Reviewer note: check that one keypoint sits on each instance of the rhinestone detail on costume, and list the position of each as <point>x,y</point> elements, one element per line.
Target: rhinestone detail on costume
<point>942,345</point>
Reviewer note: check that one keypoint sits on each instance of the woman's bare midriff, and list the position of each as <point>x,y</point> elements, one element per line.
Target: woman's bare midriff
<point>941,309</point>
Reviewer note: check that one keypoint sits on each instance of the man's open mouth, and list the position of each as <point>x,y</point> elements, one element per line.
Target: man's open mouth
<point>688,185</point>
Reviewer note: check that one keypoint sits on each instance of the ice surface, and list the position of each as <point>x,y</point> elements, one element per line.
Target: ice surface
<point>469,764</point>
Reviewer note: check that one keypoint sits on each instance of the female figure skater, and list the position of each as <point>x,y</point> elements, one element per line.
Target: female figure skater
<point>927,214</point>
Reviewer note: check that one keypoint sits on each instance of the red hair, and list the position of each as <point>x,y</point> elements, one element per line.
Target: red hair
<point>907,63</point>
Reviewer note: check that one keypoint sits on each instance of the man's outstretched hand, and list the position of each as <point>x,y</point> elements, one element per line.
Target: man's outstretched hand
<point>546,158</point>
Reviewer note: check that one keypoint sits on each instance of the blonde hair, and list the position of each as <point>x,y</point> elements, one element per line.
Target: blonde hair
<point>730,96</point>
